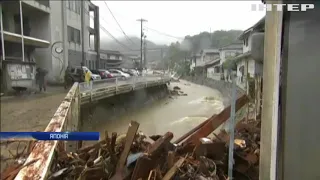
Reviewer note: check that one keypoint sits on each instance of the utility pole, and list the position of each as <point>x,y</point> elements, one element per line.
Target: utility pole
<point>162,61</point>
<point>141,21</point>
<point>145,52</point>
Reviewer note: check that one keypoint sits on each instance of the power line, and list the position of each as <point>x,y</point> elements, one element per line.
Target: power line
<point>161,33</point>
<point>165,34</point>
<point>118,23</point>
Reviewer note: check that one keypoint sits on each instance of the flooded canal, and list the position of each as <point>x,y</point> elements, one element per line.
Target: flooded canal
<point>177,114</point>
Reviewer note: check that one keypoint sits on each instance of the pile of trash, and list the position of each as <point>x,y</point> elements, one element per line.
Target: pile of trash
<point>177,92</point>
<point>194,155</point>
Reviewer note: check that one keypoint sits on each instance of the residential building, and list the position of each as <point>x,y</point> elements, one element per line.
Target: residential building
<point>52,35</point>
<point>195,63</point>
<point>208,55</point>
<point>110,59</point>
<point>215,67</point>
<point>247,67</point>
<point>130,61</point>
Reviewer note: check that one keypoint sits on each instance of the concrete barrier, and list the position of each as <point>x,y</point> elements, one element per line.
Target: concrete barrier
<point>224,87</point>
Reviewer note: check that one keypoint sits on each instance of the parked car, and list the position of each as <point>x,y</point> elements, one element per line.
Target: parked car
<point>118,73</point>
<point>134,72</point>
<point>77,71</point>
<point>104,74</point>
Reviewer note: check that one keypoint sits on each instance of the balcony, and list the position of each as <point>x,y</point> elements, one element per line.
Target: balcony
<point>35,24</point>
<point>44,2</point>
<point>40,5</point>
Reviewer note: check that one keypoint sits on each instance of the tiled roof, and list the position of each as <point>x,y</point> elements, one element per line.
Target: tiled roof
<point>236,45</point>
<point>252,28</point>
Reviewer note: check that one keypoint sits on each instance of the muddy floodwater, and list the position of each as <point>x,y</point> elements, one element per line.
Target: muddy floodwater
<point>177,114</point>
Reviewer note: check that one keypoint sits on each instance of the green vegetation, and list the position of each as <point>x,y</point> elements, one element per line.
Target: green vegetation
<point>216,39</point>
<point>229,64</point>
<point>178,55</point>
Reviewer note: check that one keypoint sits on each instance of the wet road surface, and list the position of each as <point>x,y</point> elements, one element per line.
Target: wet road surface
<point>177,114</point>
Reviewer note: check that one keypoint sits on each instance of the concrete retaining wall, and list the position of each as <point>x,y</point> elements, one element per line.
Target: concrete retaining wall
<point>110,108</point>
<point>224,87</point>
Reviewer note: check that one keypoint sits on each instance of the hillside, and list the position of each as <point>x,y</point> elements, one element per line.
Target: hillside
<point>176,52</point>
<point>216,39</point>
<point>152,55</point>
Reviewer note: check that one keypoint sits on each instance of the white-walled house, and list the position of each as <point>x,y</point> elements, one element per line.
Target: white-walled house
<point>206,56</point>
<point>214,67</point>
<point>228,52</point>
<point>247,67</point>
<point>196,59</point>
<point>214,70</point>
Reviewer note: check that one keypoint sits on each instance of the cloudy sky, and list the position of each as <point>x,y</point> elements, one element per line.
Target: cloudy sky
<point>175,18</point>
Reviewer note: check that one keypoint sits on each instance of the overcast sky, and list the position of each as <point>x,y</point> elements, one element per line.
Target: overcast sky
<point>176,18</point>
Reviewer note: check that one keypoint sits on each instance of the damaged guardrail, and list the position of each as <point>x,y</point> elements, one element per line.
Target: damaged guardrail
<point>41,154</point>
<point>66,118</point>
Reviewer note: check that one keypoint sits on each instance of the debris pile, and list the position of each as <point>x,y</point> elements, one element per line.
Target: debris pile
<point>192,156</point>
<point>177,92</point>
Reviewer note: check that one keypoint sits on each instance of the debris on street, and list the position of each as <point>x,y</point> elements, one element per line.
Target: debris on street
<point>176,88</point>
<point>136,156</point>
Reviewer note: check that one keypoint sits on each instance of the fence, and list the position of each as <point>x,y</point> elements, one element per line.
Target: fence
<point>41,160</point>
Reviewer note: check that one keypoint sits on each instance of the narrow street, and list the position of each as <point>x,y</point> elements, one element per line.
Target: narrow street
<point>30,112</point>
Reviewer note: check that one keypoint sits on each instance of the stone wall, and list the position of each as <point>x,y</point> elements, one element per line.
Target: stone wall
<point>225,88</point>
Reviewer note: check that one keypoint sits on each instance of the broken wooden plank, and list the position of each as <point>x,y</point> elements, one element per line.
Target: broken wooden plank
<point>148,162</point>
<point>214,122</point>
<point>143,166</point>
<point>183,137</point>
<point>131,133</point>
<point>170,159</point>
<point>174,169</point>
<point>160,143</point>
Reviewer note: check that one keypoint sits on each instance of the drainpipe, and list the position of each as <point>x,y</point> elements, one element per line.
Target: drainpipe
<point>22,36</point>
<point>2,40</point>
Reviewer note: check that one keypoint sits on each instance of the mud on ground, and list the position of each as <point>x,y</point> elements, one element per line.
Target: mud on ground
<point>27,113</point>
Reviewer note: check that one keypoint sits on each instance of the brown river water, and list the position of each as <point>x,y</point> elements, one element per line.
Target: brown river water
<point>177,114</point>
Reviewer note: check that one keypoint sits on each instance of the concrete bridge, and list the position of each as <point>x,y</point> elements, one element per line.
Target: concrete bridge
<point>67,118</point>
<point>101,89</point>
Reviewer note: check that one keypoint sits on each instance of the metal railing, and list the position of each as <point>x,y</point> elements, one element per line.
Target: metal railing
<point>96,90</point>
<point>42,158</point>
<point>115,82</point>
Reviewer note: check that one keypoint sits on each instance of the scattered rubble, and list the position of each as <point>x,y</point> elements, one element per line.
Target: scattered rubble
<point>175,79</point>
<point>177,92</point>
<point>192,156</point>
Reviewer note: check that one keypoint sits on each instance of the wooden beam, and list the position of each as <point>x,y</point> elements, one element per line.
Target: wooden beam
<point>271,77</point>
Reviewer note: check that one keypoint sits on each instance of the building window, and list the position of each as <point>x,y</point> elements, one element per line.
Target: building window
<point>245,42</point>
<point>74,35</point>
<point>74,6</point>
